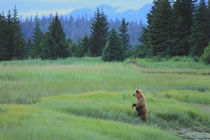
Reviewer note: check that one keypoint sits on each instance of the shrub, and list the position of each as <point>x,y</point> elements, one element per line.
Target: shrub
<point>206,55</point>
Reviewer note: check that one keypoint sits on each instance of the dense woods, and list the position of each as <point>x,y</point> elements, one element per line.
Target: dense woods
<point>76,27</point>
<point>11,39</point>
<point>174,28</point>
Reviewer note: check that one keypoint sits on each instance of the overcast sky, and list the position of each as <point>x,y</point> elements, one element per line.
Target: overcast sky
<point>31,7</point>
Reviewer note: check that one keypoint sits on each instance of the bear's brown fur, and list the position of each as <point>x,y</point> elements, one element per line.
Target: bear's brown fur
<point>140,104</point>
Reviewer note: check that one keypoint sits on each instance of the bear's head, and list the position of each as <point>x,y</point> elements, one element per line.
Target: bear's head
<point>138,94</point>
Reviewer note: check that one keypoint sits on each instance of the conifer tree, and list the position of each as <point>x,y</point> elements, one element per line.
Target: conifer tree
<point>18,40</point>
<point>95,34</point>
<point>55,45</point>
<point>9,37</point>
<point>82,47</point>
<point>58,35</point>
<point>28,49</point>
<point>3,47</point>
<point>182,24</point>
<point>146,47</point>
<point>99,33</point>
<point>85,44</point>
<point>104,31</point>
<point>113,50</point>
<point>199,36</point>
<point>160,28</point>
<point>179,41</point>
<point>208,21</point>
<point>124,36</point>
<point>37,38</point>
<point>48,46</point>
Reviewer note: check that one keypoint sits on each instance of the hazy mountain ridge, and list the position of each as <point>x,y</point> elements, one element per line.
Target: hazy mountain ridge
<point>114,13</point>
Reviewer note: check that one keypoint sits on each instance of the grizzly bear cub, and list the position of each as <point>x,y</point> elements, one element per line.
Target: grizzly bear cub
<point>140,105</point>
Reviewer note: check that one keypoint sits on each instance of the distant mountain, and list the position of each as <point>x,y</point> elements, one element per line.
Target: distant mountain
<point>113,13</point>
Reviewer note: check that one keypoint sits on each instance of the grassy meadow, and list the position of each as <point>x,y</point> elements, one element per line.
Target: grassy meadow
<point>85,98</point>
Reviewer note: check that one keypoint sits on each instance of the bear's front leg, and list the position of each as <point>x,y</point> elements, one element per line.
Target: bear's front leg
<point>133,105</point>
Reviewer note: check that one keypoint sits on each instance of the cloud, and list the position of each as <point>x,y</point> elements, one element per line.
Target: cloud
<point>46,12</point>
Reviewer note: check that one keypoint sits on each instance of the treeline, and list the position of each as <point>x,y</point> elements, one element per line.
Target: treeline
<point>75,28</point>
<point>180,28</point>
<point>53,44</point>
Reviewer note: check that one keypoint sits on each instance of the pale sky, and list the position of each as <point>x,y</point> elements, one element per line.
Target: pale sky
<point>31,7</point>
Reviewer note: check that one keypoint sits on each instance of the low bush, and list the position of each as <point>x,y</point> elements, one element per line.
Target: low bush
<point>206,55</point>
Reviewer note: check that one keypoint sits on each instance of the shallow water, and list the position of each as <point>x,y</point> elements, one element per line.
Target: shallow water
<point>187,133</point>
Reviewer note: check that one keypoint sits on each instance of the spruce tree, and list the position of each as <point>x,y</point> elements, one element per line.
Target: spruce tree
<point>199,38</point>
<point>208,21</point>
<point>82,47</point>
<point>179,41</point>
<point>58,35</point>
<point>182,23</point>
<point>3,47</point>
<point>160,29</point>
<point>99,33</point>
<point>124,36</point>
<point>37,38</point>
<point>104,31</point>
<point>85,44</point>
<point>9,37</point>
<point>95,34</point>
<point>145,49</point>
<point>18,42</point>
<point>55,45</point>
<point>48,46</point>
<point>113,50</point>
<point>28,49</point>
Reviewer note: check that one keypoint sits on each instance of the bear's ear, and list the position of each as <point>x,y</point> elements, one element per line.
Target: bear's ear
<point>137,91</point>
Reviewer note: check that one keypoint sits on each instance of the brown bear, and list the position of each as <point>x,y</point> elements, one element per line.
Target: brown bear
<point>140,105</point>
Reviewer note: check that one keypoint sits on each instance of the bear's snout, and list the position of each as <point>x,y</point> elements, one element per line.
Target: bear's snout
<point>134,94</point>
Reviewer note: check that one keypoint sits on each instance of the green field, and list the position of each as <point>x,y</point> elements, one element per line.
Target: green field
<point>89,99</point>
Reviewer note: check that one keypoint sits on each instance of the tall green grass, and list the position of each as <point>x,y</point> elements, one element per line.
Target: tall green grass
<point>29,122</point>
<point>67,61</point>
<point>90,99</point>
<point>172,63</point>
<point>163,112</point>
<point>26,81</point>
